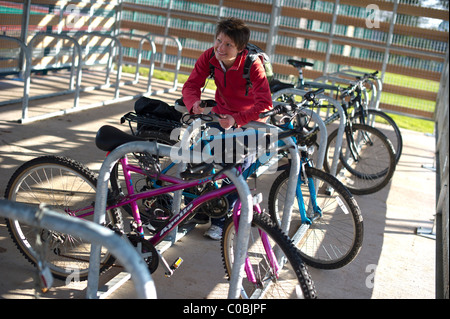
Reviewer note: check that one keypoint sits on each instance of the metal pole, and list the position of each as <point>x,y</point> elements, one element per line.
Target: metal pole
<point>389,40</point>
<point>24,30</point>
<point>273,27</point>
<point>330,39</point>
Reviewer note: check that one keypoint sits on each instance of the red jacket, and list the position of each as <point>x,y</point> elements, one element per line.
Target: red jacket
<point>231,88</point>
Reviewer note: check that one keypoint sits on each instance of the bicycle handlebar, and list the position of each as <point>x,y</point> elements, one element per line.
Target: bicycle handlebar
<point>359,81</point>
<point>285,108</point>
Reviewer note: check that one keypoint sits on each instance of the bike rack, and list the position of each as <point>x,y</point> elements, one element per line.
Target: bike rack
<point>341,127</point>
<point>122,249</point>
<point>112,53</point>
<point>177,65</point>
<point>25,74</point>
<point>76,68</point>
<point>164,150</point>
<point>139,59</point>
<point>77,54</point>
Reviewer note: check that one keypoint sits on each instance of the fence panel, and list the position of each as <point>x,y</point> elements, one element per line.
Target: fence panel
<point>405,41</point>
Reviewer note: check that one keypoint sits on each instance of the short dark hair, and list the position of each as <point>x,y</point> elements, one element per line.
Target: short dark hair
<point>236,30</point>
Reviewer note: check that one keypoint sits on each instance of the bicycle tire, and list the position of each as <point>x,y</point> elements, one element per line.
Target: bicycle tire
<point>383,122</point>
<point>375,166</point>
<point>335,238</point>
<point>65,186</point>
<point>294,277</point>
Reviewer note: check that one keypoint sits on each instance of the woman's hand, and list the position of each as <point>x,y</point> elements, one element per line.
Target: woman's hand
<point>226,121</point>
<point>197,108</point>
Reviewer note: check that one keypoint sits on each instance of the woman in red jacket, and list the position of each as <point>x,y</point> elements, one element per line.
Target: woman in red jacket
<point>235,105</point>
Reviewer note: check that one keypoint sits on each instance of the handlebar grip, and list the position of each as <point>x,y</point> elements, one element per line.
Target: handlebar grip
<point>311,95</point>
<point>276,110</point>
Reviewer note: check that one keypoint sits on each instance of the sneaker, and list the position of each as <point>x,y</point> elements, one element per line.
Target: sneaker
<point>214,232</point>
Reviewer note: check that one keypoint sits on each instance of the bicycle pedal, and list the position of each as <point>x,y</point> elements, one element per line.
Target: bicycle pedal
<point>175,265</point>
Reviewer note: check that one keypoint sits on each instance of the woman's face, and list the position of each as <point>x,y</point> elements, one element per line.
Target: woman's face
<point>225,49</point>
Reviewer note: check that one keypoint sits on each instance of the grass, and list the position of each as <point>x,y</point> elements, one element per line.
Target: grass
<point>414,124</point>
<point>404,122</point>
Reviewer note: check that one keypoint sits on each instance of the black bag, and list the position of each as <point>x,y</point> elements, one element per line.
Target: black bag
<point>151,107</point>
<point>153,115</point>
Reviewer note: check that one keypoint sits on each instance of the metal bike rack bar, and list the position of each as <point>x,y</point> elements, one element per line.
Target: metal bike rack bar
<point>112,54</point>
<point>77,64</point>
<point>293,174</point>
<point>164,150</point>
<point>177,65</point>
<point>341,128</point>
<point>25,74</point>
<point>246,210</point>
<point>77,54</point>
<point>96,234</point>
<point>139,59</point>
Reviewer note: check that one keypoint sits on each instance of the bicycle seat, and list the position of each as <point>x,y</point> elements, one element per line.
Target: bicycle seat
<point>277,85</point>
<point>108,138</point>
<point>299,64</point>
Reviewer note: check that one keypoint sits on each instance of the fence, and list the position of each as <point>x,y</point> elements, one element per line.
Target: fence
<point>393,38</point>
<point>403,39</point>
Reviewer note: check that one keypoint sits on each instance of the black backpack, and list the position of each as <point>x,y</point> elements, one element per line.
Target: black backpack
<point>254,52</point>
<point>156,108</point>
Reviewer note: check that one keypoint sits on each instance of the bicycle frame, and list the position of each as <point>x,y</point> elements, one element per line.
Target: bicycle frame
<point>298,192</point>
<point>178,184</point>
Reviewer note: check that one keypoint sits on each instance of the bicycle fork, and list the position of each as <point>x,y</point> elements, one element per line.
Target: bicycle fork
<point>353,144</point>
<point>316,213</point>
<point>271,256</point>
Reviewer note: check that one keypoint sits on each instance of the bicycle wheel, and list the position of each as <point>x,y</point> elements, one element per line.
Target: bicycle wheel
<point>386,125</point>
<point>68,187</point>
<point>335,235</point>
<point>291,281</point>
<point>374,165</point>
